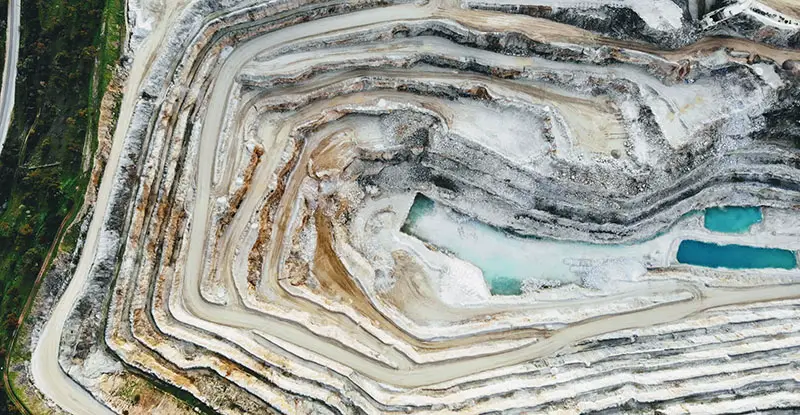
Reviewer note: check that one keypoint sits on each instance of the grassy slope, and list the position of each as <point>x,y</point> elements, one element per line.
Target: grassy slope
<point>65,63</point>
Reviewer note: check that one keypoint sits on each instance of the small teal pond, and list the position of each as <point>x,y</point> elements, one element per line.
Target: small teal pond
<point>732,219</point>
<point>505,286</point>
<point>734,256</point>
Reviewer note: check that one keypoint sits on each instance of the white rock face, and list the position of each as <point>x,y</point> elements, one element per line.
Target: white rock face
<point>663,14</point>
<point>658,14</point>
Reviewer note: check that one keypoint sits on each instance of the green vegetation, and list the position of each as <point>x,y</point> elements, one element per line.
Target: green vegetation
<point>67,53</point>
<point>3,26</point>
<point>110,41</point>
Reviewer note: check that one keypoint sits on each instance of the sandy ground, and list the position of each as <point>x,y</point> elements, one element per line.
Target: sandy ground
<point>790,8</point>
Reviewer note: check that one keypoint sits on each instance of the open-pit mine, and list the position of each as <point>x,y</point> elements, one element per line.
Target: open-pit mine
<point>440,206</point>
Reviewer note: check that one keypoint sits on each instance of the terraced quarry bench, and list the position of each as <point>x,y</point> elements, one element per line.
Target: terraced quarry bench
<point>307,203</point>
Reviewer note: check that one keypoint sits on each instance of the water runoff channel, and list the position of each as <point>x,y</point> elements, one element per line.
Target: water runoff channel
<point>509,261</point>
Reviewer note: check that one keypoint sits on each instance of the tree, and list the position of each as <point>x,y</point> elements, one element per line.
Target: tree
<point>5,230</point>
<point>25,229</point>
<point>12,321</point>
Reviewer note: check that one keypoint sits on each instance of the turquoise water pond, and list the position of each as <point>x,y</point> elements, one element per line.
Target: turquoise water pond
<point>734,256</point>
<point>507,260</point>
<point>732,219</point>
<point>484,246</point>
<point>505,286</point>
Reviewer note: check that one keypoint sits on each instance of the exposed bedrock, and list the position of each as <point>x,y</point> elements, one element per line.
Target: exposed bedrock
<point>616,22</point>
<point>749,27</point>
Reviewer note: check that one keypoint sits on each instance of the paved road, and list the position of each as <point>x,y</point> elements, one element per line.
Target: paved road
<point>9,70</point>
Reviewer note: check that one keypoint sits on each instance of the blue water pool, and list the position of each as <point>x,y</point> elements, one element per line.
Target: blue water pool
<point>504,286</point>
<point>734,256</point>
<point>732,219</point>
<point>504,260</point>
